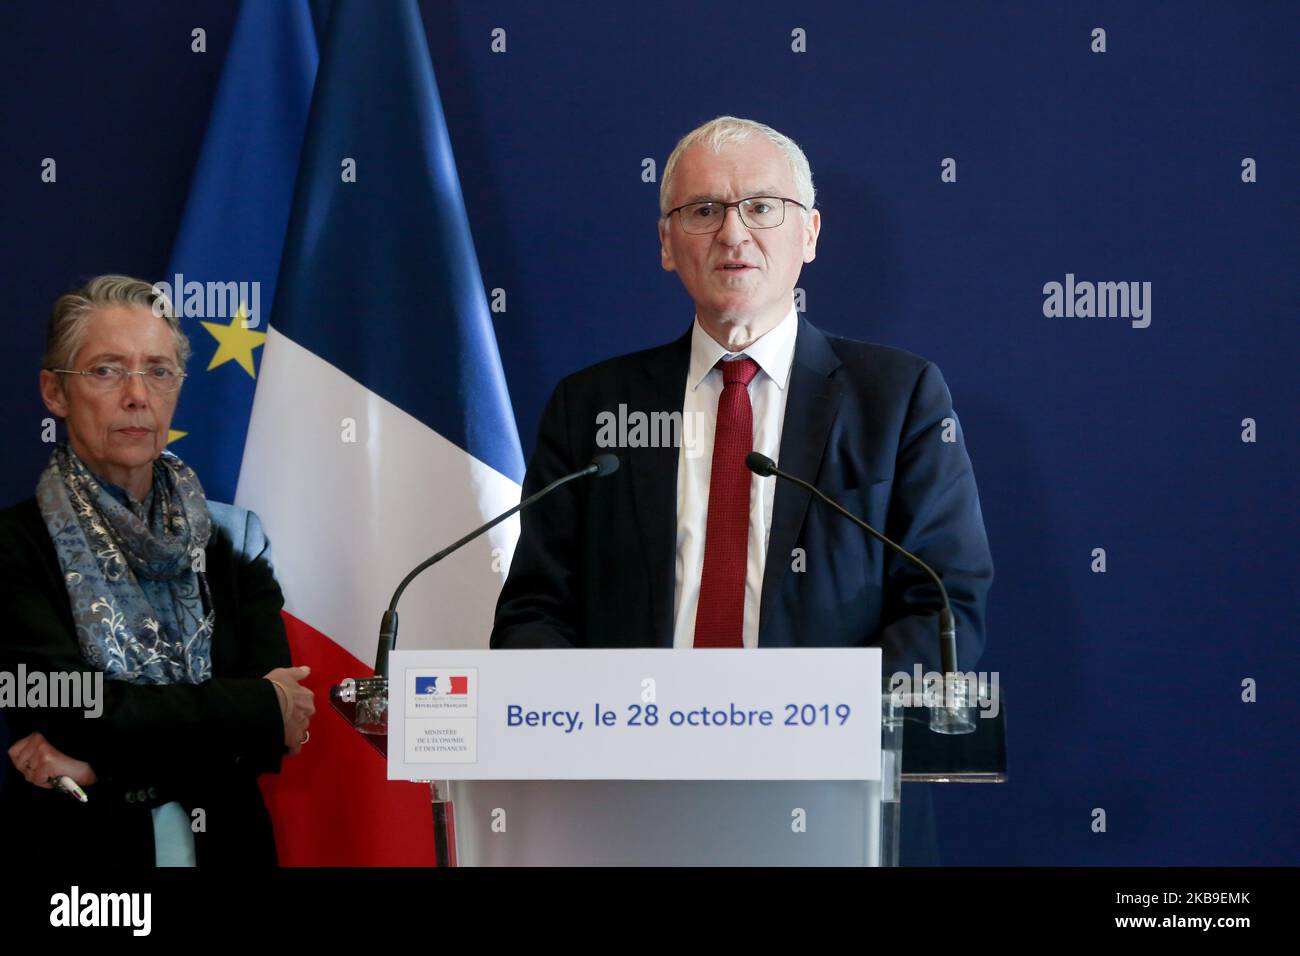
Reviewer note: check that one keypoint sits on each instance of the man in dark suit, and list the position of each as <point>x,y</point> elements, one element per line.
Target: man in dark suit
<point>683,547</point>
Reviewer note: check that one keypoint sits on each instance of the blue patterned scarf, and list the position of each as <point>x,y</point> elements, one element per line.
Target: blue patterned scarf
<point>133,571</point>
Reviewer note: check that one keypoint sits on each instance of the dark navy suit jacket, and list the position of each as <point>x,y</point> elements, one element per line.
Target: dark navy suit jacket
<point>871,426</point>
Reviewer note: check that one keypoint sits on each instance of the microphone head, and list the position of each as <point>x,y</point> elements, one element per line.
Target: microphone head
<point>759,464</point>
<point>605,464</point>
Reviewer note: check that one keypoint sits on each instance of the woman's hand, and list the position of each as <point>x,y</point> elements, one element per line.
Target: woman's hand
<point>297,707</point>
<point>38,760</point>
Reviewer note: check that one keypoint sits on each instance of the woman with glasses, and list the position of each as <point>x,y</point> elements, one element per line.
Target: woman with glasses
<point>119,577</point>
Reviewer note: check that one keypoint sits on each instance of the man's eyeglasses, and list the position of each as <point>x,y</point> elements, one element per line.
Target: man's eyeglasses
<point>105,378</point>
<point>756,212</point>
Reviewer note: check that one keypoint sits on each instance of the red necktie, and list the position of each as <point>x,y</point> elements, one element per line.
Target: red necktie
<point>720,616</point>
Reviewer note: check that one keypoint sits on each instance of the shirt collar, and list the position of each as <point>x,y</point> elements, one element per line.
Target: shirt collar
<point>773,351</point>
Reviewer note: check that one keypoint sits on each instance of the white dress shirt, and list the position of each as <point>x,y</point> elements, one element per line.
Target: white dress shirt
<point>774,353</point>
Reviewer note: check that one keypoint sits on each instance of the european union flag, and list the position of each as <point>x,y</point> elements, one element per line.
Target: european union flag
<point>228,248</point>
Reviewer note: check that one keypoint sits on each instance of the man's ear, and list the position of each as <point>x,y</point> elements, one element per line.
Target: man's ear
<point>53,394</point>
<point>665,256</point>
<point>810,232</point>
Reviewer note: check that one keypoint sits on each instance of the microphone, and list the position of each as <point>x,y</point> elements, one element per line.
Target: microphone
<point>600,466</point>
<point>764,467</point>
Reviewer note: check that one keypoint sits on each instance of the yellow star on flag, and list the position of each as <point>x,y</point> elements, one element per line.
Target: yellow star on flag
<point>174,435</point>
<point>234,342</point>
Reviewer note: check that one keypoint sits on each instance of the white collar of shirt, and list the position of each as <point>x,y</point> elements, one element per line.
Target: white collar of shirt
<point>773,351</point>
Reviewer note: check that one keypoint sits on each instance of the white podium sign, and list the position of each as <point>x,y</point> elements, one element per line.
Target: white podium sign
<point>653,714</point>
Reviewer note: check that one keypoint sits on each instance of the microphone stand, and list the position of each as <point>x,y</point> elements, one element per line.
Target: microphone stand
<point>950,716</point>
<point>363,701</point>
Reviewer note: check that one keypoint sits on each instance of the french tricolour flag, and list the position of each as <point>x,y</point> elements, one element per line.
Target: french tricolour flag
<point>442,686</point>
<point>381,426</point>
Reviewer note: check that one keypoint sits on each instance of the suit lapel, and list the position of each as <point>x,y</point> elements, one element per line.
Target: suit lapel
<point>809,412</point>
<point>654,481</point>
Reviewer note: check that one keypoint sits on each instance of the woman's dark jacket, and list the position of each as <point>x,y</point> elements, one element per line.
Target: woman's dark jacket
<point>202,744</point>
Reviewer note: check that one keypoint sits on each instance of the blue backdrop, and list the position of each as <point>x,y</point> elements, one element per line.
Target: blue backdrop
<point>1126,165</point>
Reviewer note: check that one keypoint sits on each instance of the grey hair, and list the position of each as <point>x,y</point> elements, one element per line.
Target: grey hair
<point>727,130</point>
<point>68,321</point>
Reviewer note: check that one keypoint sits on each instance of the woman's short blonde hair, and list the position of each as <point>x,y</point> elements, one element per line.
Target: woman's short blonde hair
<point>67,329</point>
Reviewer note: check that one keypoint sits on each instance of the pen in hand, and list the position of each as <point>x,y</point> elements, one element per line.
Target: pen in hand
<point>66,784</point>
